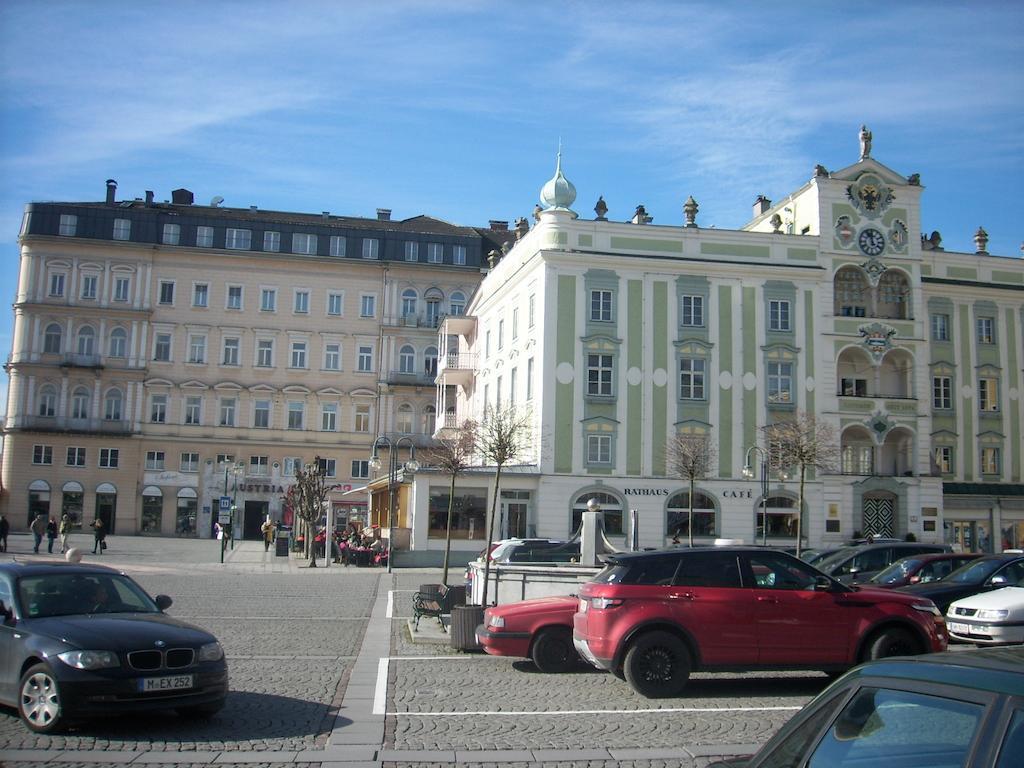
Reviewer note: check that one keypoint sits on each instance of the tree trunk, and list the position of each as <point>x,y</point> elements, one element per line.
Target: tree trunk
<point>691,512</point>
<point>448,531</point>
<point>490,533</point>
<point>800,510</point>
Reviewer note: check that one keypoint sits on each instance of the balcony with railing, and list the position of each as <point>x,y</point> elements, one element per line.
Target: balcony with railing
<point>405,379</point>
<point>53,424</point>
<point>78,360</point>
<point>457,368</point>
<point>413,320</point>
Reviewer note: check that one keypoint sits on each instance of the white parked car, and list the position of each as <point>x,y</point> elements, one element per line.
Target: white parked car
<point>989,618</point>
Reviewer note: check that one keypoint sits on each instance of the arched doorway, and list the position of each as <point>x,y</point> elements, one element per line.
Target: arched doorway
<point>38,500</point>
<point>185,518</point>
<point>106,505</point>
<point>152,510</point>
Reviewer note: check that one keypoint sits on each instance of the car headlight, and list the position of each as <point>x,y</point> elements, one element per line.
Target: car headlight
<point>211,652</point>
<point>89,659</point>
<point>602,603</point>
<point>992,613</point>
<point>496,621</point>
<point>928,607</point>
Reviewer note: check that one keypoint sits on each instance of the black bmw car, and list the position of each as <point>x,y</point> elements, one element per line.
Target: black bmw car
<point>81,640</point>
<point>980,575</point>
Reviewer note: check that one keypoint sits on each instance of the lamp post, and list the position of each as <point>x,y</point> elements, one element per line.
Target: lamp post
<point>748,472</point>
<point>375,464</point>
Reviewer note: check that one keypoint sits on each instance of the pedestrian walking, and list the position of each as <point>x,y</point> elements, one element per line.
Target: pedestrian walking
<point>267,529</point>
<point>65,531</point>
<point>99,534</point>
<point>38,528</point>
<point>5,528</point>
<point>51,534</point>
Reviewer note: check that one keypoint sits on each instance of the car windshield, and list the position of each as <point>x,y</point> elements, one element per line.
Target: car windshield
<point>897,571</point>
<point>974,572</point>
<point>70,594</point>
<point>836,557</point>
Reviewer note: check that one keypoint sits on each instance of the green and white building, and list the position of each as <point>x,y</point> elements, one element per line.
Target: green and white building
<point>831,302</point>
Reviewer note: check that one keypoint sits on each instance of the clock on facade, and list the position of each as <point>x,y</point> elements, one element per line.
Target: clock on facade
<point>871,241</point>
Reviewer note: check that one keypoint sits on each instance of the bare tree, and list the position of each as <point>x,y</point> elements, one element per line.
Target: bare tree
<point>690,456</point>
<point>501,438</point>
<point>452,453</point>
<point>306,497</point>
<point>799,444</point>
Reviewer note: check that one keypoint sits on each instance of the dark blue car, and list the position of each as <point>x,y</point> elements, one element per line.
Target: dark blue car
<point>83,640</point>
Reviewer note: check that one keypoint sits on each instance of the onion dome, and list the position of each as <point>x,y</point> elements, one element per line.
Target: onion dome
<point>559,193</point>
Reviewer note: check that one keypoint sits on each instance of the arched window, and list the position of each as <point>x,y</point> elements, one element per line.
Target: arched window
<point>429,420</point>
<point>53,339</point>
<point>407,359</point>
<point>610,505</point>
<point>430,361</point>
<point>851,293</point>
<point>408,303</point>
<point>893,296</point>
<point>118,342</point>
<point>781,511</point>
<point>457,303</point>
<point>80,403</point>
<point>677,521</point>
<point>86,340</point>
<point>403,421</point>
<point>112,405</point>
<point>47,401</point>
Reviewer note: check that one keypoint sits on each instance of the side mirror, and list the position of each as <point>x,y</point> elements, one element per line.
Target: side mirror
<point>6,612</point>
<point>163,602</point>
<point>854,570</point>
<point>999,581</point>
<point>823,584</point>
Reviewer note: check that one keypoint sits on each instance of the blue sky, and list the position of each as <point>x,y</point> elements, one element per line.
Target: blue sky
<point>455,109</point>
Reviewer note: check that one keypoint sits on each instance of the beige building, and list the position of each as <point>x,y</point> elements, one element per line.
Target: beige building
<point>168,356</point>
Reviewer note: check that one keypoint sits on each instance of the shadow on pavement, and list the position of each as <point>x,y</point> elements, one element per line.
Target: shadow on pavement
<point>246,717</point>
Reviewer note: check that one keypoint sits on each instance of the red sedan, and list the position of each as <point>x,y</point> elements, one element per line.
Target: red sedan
<point>538,629</point>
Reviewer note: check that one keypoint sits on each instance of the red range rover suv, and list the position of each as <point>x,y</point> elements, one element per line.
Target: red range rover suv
<point>656,616</point>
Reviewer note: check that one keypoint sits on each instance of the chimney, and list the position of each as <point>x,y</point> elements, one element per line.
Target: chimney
<point>182,197</point>
<point>498,226</point>
<point>149,197</point>
<point>383,214</point>
<point>761,205</point>
<point>111,190</point>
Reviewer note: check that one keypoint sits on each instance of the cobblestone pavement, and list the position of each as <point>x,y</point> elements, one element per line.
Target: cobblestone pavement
<point>292,636</point>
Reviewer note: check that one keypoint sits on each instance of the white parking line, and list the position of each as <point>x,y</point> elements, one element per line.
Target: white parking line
<point>380,692</point>
<point>389,613</point>
<point>667,710</point>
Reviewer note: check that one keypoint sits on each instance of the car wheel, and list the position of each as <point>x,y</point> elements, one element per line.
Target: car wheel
<point>553,650</point>
<point>39,700</point>
<point>657,665</point>
<point>893,642</point>
<point>201,710</point>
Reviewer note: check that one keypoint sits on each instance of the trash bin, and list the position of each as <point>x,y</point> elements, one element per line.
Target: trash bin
<point>465,619</point>
<point>281,544</point>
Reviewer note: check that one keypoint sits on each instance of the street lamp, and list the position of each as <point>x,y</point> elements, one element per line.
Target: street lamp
<point>411,465</point>
<point>748,473</point>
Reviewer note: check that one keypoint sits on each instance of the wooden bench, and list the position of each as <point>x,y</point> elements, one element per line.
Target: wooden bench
<point>435,604</point>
